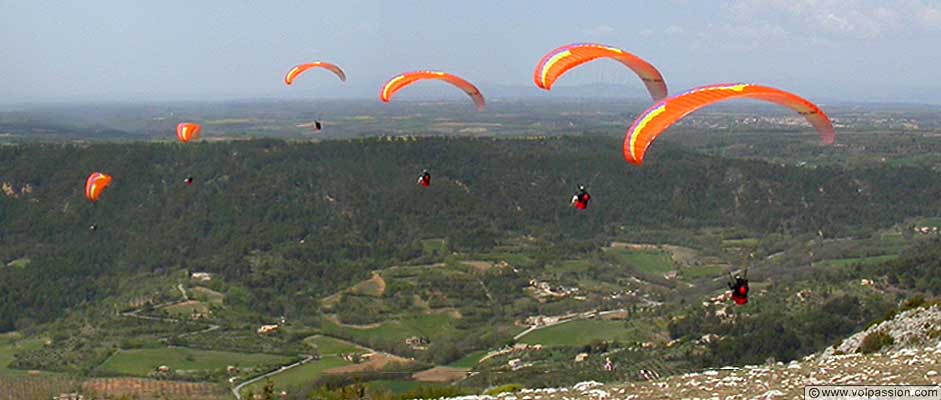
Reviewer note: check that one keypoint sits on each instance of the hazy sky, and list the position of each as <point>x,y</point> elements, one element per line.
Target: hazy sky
<point>211,49</point>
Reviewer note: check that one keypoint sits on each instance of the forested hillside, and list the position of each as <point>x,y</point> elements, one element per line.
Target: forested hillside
<point>291,222</point>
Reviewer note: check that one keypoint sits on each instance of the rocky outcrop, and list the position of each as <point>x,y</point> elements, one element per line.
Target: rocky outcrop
<point>913,359</point>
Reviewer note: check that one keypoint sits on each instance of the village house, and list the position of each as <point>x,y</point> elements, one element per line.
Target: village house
<point>267,329</point>
<point>201,276</point>
<point>417,342</point>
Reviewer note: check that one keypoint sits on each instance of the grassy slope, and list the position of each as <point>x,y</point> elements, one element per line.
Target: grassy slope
<point>140,362</point>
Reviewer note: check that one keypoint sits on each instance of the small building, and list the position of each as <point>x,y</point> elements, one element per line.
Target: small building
<point>709,338</point>
<point>581,357</point>
<point>69,396</point>
<point>515,364</point>
<point>163,369</point>
<point>417,342</point>
<point>231,370</point>
<point>201,276</point>
<point>267,329</point>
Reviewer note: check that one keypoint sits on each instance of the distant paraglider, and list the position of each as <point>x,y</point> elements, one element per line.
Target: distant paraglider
<point>739,289</point>
<point>187,131</point>
<point>655,120</point>
<point>424,179</point>
<point>581,199</point>
<point>563,59</point>
<point>188,181</point>
<point>95,185</point>
<point>402,80</point>
<point>299,69</point>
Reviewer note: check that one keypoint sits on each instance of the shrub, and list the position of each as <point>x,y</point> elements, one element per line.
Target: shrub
<point>875,341</point>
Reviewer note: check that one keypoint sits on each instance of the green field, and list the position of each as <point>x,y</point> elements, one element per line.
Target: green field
<point>515,260</point>
<point>582,332</point>
<point>652,263</point>
<point>935,221</point>
<point>705,271</point>
<point>10,345</point>
<point>328,345</point>
<point>140,362</point>
<point>208,295</point>
<point>186,309</point>
<point>300,375</point>
<point>842,262</point>
<point>22,262</point>
<point>430,326</point>
<point>434,247</point>
<point>469,361</point>
<point>747,242</point>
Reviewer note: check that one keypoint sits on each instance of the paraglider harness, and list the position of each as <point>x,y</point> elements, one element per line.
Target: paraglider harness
<point>739,287</point>
<point>581,199</point>
<point>424,179</point>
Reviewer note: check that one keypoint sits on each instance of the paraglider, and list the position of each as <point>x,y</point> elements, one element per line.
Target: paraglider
<point>187,131</point>
<point>188,181</point>
<point>402,80</point>
<point>424,179</point>
<point>739,289</point>
<point>299,69</point>
<point>660,116</point>
<point>563,59</point>
<point>581,199</point>
<point>95,185</point>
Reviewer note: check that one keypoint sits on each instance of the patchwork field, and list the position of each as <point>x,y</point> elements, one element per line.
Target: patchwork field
<point>207,295</point>
<point>153,389</point>
<point>644,262</point>
<point>431,326</point>
<point>34,387</point>
<point>582,332</point>
<point>140,362</point>
<point>9,344</point>
<point>327,345</point>
<point>300,375</point>
<point>469,360</point>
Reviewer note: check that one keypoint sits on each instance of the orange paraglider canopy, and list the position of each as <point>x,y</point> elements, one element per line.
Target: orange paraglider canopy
<point>299,69</point>
<point>186,131</point>
<point>563,59</point>
<point>400,81</point>
<point>95,185</point>
<point>660,116</point>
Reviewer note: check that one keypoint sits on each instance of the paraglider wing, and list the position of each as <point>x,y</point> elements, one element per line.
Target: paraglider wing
<point>299,69</point>
<point>660,116</point>
<point>95,185</point>
<point>186,131</point>
<point>400,81</point>
<point>563,59</point>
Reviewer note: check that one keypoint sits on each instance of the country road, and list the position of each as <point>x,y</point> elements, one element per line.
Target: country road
<point>238,388</point>
<point>584,315</point>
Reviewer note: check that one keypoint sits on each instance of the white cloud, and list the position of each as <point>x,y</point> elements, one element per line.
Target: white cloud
<point>847,19</point>
<point>929,17</point>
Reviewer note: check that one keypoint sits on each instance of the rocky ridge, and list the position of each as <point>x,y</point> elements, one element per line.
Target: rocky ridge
<point>913,359</point>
